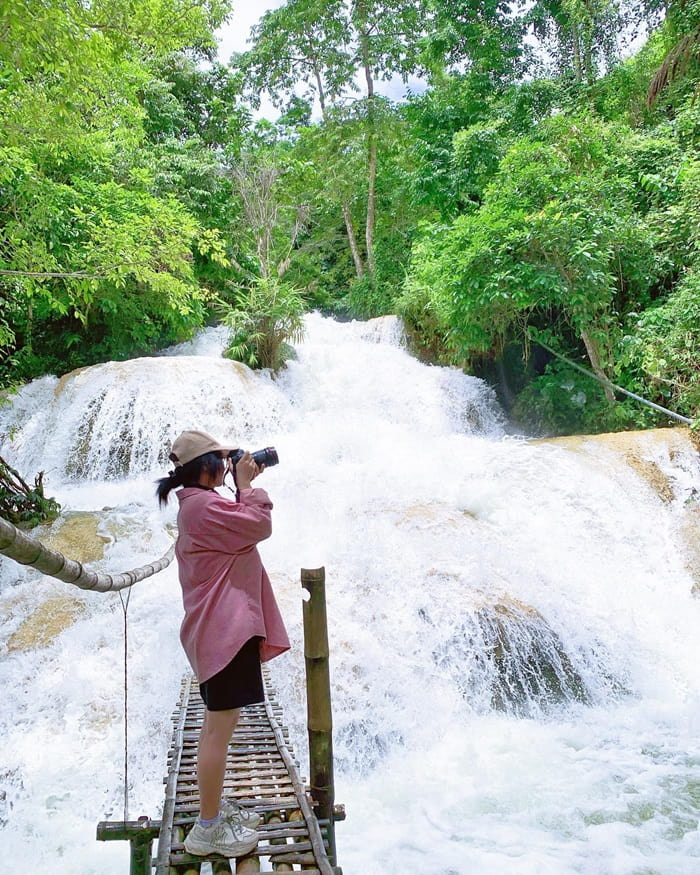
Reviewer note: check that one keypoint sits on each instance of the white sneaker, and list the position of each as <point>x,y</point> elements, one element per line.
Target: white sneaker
<point>225,838</point>
<point>235,813</point>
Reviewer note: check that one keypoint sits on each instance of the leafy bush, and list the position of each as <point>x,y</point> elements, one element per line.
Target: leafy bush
<point>263,320</point>
<point>564,401</point>
<point>664,346</point>
<point>23,505</point>
<point>367,298</point>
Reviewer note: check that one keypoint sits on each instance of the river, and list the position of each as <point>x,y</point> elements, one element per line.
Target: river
<point>515,657</point>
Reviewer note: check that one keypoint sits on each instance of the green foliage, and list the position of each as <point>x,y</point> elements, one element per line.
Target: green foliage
<point>520,188</point>
<point>122,258</point>
<point>487,36</point>
<point>100,256</point>
<point>476,155</point>
<point>366,299</point>
<point>564,401</point>
<point>551,237</point>
<point>663,347</point>
<point>265,318</point>
<point>23,505</point>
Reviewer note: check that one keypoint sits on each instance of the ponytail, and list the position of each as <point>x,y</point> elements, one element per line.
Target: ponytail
<point>189,474</point>
<point>166,484</point>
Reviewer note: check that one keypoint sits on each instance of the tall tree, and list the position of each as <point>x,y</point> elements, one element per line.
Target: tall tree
<point>327,48</point>
<point>94,260</point>
<point>583,36</point>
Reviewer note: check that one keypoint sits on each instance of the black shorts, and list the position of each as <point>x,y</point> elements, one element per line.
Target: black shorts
<point>238,684</point>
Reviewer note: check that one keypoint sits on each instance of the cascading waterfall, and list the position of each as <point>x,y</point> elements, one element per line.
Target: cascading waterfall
<point>514,648</point>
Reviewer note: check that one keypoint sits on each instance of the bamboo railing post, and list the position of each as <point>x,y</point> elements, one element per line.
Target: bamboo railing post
<point>140,835</point>
<point>318,700</point>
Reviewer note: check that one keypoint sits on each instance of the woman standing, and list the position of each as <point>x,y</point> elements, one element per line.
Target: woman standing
<point>231,624</point>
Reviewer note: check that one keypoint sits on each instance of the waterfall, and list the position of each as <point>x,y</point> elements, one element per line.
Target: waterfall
<point>514,632</point>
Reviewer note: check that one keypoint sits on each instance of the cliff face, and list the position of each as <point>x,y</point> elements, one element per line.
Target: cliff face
<point>667,459</point>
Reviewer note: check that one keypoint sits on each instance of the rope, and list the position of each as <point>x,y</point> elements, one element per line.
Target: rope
<point>125,607</point>
<point>639,398</point>
<point>28,551</point>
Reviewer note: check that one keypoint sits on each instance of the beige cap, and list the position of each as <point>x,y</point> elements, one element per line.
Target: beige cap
<point>191,444</point>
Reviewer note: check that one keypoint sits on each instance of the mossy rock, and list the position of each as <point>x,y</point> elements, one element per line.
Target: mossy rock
<point>76,534</point>
<point>45,623</point>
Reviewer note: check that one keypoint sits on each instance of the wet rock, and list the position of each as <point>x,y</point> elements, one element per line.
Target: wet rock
<point>433,514</point>
<point>76,535</point>
<point>690,531</point>
<point>506,656</point>
<point>667,460</point>
<point>45,623</point>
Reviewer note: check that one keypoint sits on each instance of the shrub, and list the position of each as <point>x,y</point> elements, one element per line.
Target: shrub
<point>263,320</point>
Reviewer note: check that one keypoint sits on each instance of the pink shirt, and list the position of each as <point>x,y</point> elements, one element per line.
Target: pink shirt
<point>226,592</point>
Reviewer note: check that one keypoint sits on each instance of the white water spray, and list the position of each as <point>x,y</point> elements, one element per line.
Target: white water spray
<point>514,648</point>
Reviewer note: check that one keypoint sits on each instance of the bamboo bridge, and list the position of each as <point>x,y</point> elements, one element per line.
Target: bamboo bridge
<point>297,832</point>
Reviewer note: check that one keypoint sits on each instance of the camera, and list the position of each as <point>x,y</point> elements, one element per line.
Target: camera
<point>267,457</point>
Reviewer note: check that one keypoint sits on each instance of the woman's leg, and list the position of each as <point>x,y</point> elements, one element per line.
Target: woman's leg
<point>214,738</point>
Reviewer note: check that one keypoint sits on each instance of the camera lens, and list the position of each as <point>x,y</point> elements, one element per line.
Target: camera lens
<point>267,457</point>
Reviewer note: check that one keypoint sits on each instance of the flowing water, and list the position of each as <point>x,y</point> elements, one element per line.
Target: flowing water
<point>514,636</point>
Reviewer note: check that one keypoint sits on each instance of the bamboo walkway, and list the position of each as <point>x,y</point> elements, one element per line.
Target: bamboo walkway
<point>260,772</point>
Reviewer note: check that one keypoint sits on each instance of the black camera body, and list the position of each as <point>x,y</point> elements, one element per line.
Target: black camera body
<point>267,457</point>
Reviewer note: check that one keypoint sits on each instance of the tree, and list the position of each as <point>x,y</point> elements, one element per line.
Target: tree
<point>682,30</point>
<point>582,35</point>
<point>554,240</point>
<point>483,38</point>
<point>272,226</point>
<point>94,261</point>
<point>267,315</point>
<point>325,47</point>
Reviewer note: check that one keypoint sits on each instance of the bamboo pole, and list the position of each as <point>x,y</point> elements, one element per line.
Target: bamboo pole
<point>246,865</point>
<point>27,551</point>
<point>139,833</point>
<point>166,833</point>
<point>318,700</point>
<point>315,836</point>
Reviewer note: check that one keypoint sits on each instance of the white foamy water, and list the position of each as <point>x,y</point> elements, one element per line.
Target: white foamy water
<point>514,642</point>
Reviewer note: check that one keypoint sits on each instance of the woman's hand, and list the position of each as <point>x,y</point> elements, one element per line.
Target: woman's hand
<point>247,471</point>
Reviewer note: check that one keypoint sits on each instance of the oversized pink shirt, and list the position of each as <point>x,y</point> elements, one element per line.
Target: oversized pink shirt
<point>226,592</point>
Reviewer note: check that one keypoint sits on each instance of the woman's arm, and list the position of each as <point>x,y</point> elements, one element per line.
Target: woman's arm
<point>234,526</point>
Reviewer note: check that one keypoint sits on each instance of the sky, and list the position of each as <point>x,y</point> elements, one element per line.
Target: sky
<point>233,35</point>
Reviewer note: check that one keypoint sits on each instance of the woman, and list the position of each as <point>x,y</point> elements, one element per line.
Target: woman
<point>231,624</point>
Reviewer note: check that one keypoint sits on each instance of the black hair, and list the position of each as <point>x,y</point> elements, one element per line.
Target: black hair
<point>189,474</point>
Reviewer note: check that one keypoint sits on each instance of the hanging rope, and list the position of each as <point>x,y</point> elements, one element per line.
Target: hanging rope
<point>27,551</point>
<point>125,608</point>
<point>639,398</point>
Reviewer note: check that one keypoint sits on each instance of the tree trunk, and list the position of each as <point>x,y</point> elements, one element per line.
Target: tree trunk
<point>321,90</point>
<point>588,60</point>
<point>578,69</point>
<point>594,357</point>
<point>352,240</point>
<point>371,160</point>
<point>347,216</point>
<point>371,198</point>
